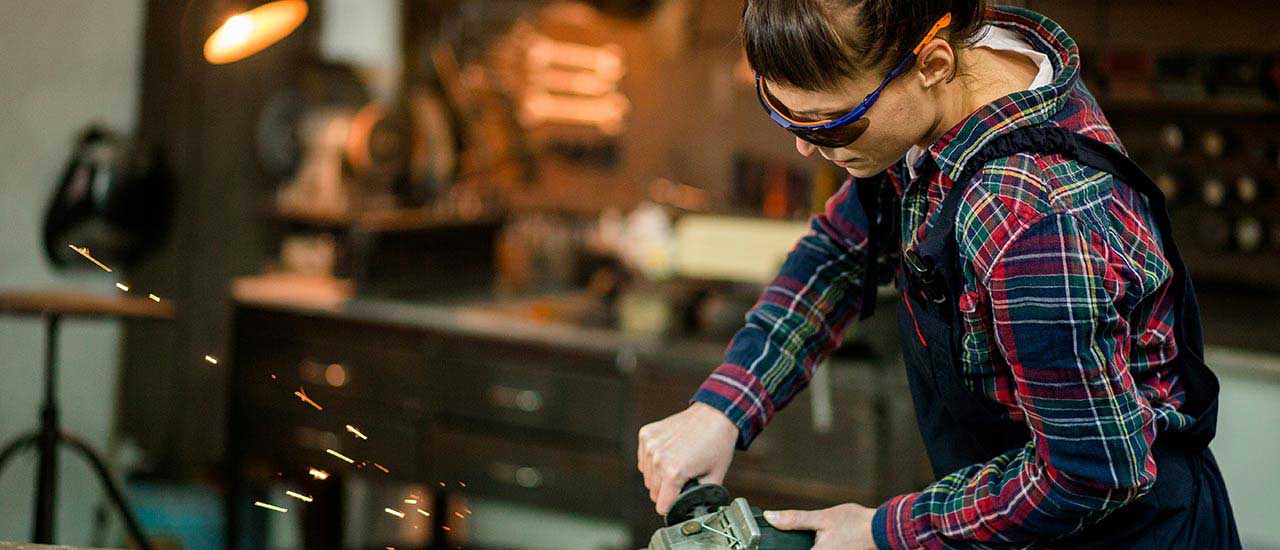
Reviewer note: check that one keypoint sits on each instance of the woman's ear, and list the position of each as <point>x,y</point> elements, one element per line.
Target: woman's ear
<point>936,63</point>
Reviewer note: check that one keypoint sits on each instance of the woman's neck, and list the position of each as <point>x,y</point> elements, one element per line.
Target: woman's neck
<point>986,75</point>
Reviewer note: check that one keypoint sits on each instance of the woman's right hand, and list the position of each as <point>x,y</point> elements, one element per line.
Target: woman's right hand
<point>695,443</point>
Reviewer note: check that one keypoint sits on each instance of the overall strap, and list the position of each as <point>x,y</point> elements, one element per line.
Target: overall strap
<point>1097,155</point>
<point>879,205</point>
<point>1103,157</point>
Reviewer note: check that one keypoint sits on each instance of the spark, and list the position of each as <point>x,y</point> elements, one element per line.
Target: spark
<point>442,484</point>
<point>318,473</point>
<point>395,513</point>
<point>270,507</point>
<point>273,377</point>
<point>460,516</point>
<point>410,501</point>
<point>154,298</point>
<point>303,498</point>
<point>463,485</point>
<point>211,359</point>
<point>357,433</point>
<point>411,495</point>
<point>303,396</point>
<point>424,512</point>
<point>122,286</point>
<point>339,455</point>
<point>85,252</point>
<point>467,510</point>
<point>446,527</point>
<point>381,467</point>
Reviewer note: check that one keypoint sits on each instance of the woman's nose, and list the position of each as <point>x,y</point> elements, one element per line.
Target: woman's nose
<point>805,148</point>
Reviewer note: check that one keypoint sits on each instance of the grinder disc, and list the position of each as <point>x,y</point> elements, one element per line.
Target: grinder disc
<point>697,499</point>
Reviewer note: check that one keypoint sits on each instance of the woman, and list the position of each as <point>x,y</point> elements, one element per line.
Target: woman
<point>1051,336</point>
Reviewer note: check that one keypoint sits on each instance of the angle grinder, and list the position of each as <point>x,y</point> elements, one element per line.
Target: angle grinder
<point>704,517</point>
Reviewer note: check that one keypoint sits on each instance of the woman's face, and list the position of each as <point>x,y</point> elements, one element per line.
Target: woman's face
<point>902,117</point>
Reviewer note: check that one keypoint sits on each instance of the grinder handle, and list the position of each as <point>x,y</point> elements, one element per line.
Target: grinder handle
<point>772,538</point>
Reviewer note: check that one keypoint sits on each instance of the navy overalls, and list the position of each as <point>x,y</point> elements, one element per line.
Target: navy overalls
<point>1187,506</point>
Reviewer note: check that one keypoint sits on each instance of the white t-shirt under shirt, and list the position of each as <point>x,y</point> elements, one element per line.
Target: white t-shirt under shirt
<point>999,39</point>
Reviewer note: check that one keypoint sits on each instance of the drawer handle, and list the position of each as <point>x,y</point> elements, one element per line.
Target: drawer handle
<point>314,439</point>
<point>320,373</point>
<point>511,474</point>
<point>524,400</point>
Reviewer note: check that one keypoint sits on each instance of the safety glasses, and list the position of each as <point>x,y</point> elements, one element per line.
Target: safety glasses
<point>847,128</point>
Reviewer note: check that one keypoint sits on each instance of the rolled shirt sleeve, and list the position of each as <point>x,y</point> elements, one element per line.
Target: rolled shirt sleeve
<point>797,321</point>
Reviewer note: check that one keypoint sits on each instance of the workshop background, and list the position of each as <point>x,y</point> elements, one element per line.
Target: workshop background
<point>433,263</point>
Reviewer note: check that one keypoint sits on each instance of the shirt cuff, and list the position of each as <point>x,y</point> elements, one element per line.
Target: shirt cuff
<point>738,394</point>
<point>892,526</point>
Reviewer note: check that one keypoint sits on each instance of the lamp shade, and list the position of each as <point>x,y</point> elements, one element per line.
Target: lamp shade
<point>250,32</point>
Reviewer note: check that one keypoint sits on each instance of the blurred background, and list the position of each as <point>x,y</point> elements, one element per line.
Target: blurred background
<point>431,264</point>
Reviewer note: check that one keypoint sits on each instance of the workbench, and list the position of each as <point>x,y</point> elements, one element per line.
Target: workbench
<point>541,413</point>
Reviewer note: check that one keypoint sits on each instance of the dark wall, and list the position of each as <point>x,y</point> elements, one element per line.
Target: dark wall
<point>201,116</point>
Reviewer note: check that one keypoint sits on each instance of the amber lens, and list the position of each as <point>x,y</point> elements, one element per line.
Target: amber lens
<point>840,136</point>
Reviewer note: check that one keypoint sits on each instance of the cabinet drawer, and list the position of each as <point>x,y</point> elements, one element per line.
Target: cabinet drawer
<point>338,378</point>
<point>543,391</point>
<point>564,479</point>
<point>290,439</point>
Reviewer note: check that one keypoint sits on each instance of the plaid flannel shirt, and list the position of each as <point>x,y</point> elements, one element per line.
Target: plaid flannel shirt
<point>1066,315</point>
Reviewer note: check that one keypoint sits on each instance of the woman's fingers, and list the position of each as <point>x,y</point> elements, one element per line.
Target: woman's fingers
<point>699,440</point>
<point>791,520</point>
<point>667,492</point>
<point>642,456</point>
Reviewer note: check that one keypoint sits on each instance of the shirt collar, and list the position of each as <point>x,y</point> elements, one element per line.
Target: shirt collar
<point>1018,110</point>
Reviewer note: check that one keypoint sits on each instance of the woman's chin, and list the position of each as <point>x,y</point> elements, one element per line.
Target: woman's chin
<point>865,168</point>
<point>862,170</point>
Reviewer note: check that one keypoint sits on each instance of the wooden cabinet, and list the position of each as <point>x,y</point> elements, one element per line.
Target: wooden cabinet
<point>542,422</point>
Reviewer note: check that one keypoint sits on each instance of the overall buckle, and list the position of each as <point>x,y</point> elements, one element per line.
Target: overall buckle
<point>925,277</point>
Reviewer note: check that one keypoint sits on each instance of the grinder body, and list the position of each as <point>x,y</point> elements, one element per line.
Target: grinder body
<point>703,518</point>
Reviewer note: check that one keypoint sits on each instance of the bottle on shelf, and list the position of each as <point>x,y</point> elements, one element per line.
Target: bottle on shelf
<point>1250,234</point>
<point>1213,192</point>
<point>1246,189</point>
<point>1169,184</point>
<point>1172,138</point>
<point>1214,143</point>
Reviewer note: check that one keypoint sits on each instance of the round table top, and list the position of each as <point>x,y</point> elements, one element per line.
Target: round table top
<point>82,304</point>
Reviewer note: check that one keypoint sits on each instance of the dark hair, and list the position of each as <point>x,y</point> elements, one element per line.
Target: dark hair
<point>815,44</point>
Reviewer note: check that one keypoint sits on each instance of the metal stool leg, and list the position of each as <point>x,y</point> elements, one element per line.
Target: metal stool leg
<point>24,440</point>
<point>113,491</point>
<point>47,439</point>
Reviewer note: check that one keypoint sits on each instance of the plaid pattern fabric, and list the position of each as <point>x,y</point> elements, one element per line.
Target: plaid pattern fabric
<point>1066,318</point>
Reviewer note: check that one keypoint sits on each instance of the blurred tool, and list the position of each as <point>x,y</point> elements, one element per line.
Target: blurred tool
<point>113,199</point>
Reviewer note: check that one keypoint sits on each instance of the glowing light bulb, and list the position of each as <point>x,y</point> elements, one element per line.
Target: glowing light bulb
<point>250,32</point>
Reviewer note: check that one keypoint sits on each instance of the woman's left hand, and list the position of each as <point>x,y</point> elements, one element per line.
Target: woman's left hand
<point>843,527</point>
